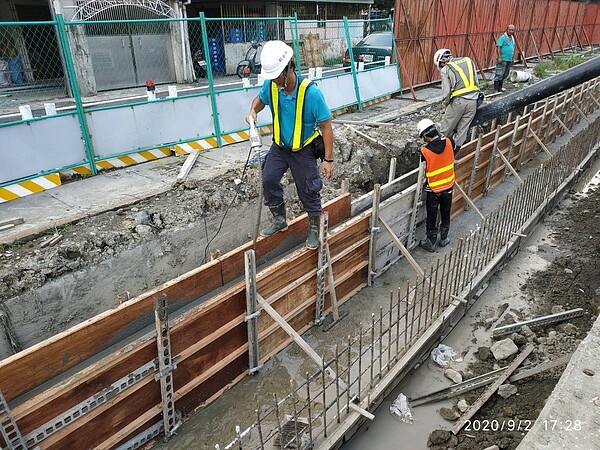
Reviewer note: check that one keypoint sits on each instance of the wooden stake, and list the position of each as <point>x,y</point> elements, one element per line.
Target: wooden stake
<point>392,173</point>
<point>403,249</point>
<point>468,200</point>
<point>508,166</point>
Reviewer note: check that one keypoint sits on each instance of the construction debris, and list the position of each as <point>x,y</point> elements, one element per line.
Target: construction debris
<point>540,321</point>
<point>50,241</point>
<point>10,223</point>
<point>493,388</point>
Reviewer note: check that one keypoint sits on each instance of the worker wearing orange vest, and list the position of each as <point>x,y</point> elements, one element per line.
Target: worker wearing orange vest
<point>438,153</point>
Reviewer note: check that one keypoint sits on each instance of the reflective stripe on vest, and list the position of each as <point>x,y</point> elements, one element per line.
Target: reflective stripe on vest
<point>465,84</point>
<point>297,142</point>
<point>440,168</point>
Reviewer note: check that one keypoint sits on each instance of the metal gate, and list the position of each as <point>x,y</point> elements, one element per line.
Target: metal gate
<point>126,54</point>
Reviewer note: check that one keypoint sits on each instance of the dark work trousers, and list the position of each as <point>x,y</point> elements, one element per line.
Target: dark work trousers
<point>502,71</point>
<point>443,200</point>
<point>305,172</point>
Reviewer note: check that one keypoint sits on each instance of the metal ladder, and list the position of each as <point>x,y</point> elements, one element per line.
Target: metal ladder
<point>10,430</point>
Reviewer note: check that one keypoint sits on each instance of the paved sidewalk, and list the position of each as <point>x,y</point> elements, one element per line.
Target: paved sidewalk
<point>111,190</point>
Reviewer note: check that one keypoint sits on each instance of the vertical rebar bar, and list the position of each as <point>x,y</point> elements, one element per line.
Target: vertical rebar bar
<point>398,325</point>
<point>324,382</point>
<point>427,282</point>
<point>434,311</point>
<point>360,354</point>
<point>372,349</point>
<point>420,302</point>
<point>380,341</point>
<point>309,410</point>
<point>390,325</point>
<point>259,428</point>
<point>406,339</point>
<point>278,419</point>
<point>448,277</point>
<point>337,383</point>
<point>349,375</point>
<point>295,410</point>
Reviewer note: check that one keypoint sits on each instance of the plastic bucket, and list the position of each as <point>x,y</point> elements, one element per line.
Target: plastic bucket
<point>516,76</point>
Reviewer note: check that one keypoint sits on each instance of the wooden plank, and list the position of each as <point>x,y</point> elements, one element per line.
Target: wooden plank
<point>233,261</point>
<point>403,249</point>
<point>33,366</point>
<point>12,221</point>
<point>187,165</point>
<point>493,388</point>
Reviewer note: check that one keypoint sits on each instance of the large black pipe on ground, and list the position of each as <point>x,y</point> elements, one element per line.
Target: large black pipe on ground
<point>540,90</point>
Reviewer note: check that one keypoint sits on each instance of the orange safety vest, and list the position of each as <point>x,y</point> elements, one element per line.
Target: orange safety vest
<point>440,168</point>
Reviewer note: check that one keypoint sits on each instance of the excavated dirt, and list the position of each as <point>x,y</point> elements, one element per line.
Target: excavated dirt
<point>570,281</point>
<point>108,258</point>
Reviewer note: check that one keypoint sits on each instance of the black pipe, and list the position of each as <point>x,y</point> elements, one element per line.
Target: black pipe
<point>540,90</point>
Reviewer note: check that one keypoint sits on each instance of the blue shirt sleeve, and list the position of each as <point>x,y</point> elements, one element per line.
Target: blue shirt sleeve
<point>265,94</point>
<point>500,41</point>
<point>318,107</point>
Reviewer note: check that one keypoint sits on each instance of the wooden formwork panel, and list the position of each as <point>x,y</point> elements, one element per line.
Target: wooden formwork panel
<point>209,343</point>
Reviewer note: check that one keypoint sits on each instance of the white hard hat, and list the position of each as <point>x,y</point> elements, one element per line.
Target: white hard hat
<point>274,58</point>
<point>442,53</point>
<point>424,125</point>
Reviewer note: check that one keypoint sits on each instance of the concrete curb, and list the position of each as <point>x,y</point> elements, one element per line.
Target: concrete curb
<point>571,417</point>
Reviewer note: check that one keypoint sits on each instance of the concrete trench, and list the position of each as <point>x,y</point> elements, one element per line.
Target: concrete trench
<point>239,402</point>
<point>290,364</point>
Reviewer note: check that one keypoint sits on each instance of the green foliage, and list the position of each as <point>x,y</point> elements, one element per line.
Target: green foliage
<point>333,61</point>
<point>566,62</point>
<point>542,69</point>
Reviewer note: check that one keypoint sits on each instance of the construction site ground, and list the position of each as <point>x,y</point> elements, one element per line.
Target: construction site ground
<point>126,231</point>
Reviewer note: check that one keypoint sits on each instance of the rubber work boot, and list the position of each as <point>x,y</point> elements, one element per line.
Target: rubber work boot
<point>444,240</point>
<point>279,223</point>
<point>497,86</point>
<point>428,244</point>
<point>312,240</point>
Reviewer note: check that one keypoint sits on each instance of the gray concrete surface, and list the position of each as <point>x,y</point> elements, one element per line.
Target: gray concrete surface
<point>571,417</point>
<point>110,190</point>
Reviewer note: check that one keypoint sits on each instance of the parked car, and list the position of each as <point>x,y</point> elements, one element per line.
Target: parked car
<point>371,50</point>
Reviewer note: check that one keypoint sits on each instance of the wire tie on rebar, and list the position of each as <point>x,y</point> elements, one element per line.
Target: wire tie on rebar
<point>253,370</point>
<point>518,234</point>
<point>252,316</point>
<point>375,229</point>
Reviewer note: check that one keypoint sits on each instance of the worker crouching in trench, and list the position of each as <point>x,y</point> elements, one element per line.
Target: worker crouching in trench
<point>299,110</point>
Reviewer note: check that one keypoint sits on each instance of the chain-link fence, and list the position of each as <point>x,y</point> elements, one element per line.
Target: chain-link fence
<point>30,62</point>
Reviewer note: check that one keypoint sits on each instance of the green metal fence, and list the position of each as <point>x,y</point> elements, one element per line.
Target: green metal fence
<point>97,65</point>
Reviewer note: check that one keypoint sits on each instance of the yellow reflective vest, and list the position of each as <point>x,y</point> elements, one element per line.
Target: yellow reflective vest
<point>297,139</point>
<point>464,69</point>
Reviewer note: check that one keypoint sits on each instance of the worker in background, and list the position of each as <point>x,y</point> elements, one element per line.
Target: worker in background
<point>438,153</point>
<point>460,92</point>
<point>505,49</point>
<point>299,111</point>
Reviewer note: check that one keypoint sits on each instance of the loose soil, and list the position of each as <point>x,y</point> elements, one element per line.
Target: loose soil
<point>570,281</point>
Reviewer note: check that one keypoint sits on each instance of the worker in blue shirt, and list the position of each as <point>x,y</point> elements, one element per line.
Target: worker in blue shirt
<point>302,132</point>
<point>505,49</point>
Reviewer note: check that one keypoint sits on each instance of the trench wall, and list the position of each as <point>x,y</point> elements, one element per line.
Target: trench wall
<point>93,385</point>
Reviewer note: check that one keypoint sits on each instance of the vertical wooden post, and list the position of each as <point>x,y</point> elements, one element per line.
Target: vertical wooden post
<point>410,243</point>
<point>374,231</point>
